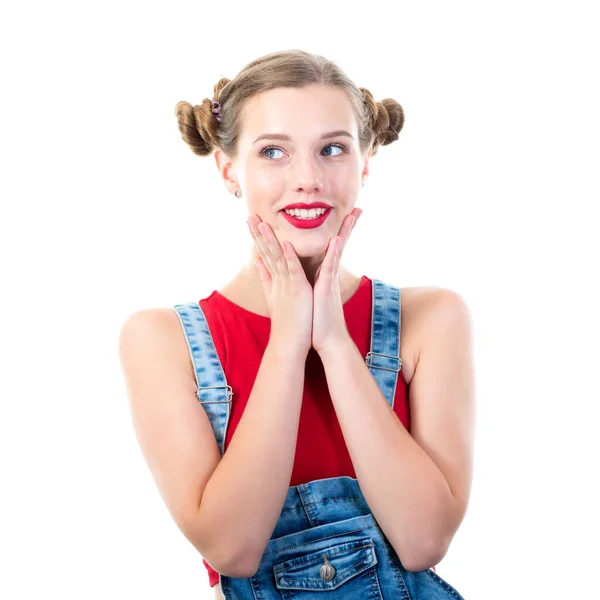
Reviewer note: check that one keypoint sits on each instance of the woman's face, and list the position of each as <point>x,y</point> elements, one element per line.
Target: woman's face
<point>310,166</point>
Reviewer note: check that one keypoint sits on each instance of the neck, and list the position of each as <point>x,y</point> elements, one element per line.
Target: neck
<point>310,264</point>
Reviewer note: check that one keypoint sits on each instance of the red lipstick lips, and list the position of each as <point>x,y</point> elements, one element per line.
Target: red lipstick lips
<point>307,223</point>
<point>306,206</point>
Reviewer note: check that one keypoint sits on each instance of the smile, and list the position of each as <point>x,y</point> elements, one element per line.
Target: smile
<point>306,223</point>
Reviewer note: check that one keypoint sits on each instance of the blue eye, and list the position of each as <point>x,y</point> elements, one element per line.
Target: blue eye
<point>342,148</point>
<point>269,148</point>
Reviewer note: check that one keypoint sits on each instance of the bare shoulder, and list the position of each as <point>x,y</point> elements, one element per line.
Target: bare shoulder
<point>151,327</point>
<point>422,308</point>
<point>424,298</point>
<point>154,318</point>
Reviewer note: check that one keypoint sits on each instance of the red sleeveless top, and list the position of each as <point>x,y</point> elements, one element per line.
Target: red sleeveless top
<point>241,336</point>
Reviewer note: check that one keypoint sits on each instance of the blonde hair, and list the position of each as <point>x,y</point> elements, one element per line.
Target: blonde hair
<point>379,123</point>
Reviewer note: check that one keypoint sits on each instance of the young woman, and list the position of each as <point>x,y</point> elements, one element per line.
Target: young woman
<point>310,430</point>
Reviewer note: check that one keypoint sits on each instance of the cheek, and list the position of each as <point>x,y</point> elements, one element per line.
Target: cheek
<point>267,178</point>
<point>262,183</point>
<point>342,183</point>
<point>265,187</point>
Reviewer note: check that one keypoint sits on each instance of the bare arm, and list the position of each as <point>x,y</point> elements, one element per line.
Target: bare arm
<point>245,495</point>
<point>417,484</point>
<point>227,507</point>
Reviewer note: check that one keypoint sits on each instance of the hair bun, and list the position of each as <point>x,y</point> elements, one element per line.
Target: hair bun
<point>387,119</point>
<point>392,120</point>
<point>197,125</point>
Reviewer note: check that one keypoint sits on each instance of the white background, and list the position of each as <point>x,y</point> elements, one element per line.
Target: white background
<point>491,191</point>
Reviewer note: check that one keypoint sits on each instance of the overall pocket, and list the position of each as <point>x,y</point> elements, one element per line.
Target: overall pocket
<point>347,570</point>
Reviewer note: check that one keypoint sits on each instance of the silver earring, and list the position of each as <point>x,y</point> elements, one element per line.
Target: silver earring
<point>238,193</point>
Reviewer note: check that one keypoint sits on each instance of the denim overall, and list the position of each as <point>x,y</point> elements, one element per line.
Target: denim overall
<point>327,544</point>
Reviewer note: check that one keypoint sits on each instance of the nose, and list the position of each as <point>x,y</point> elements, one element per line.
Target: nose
<point>307,174</point>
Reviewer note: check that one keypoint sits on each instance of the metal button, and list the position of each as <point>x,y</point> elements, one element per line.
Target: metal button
<point>327,570</point>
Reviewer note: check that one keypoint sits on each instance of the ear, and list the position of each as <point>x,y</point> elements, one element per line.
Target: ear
<point>226,168</point>
<point>365,171</point>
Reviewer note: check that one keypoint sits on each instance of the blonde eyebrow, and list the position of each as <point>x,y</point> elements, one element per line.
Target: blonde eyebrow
<point>286,138</point>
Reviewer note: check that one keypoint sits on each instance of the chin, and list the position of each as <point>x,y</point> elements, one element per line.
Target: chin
<point>309,250</point>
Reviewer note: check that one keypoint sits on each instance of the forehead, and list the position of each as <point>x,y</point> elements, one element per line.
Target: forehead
<point>299,112</point>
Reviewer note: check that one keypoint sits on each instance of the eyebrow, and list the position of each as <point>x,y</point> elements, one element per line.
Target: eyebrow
<point>284,138</point>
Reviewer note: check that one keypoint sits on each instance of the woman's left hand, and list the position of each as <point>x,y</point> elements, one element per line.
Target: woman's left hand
<point>329,324</point>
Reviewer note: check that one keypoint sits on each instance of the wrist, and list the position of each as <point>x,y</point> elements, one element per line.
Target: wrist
<point>336,346</point>
<point>290,351</point>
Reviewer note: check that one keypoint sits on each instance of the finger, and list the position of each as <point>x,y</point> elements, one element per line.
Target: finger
<point>347,227</point>
<point>345,234</point>
<point>257,244</point>
<point>329,263</point>
<point>262,246</point>
<point>293,262</point>
<point>274,248</point>
<point>351,226</point>
<point>265,276</point>
<point>261,230</point>
<point>338,253</point>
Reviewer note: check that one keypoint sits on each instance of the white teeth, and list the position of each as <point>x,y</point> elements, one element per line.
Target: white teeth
<point>313,213</point>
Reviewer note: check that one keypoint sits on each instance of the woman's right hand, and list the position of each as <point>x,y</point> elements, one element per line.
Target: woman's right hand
<point>288,293</point>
